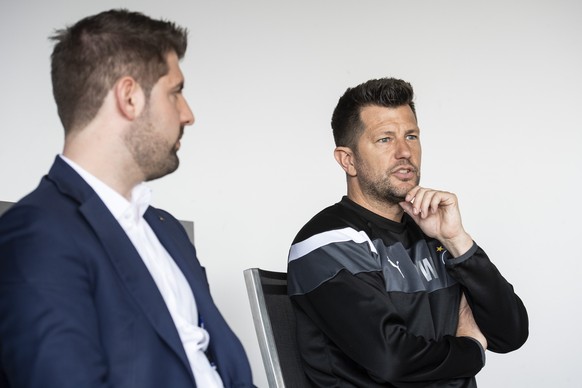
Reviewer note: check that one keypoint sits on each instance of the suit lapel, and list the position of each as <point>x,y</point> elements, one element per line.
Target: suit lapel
<point>174,239</point>
<point>221,349</point>
<point>224,346</point>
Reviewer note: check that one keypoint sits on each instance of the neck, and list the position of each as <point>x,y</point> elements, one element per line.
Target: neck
<point>109,167</point>
<point>391,211</point>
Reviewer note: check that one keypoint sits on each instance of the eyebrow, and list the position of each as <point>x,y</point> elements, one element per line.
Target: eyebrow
<point>179,86</point>
<point>408,131</point>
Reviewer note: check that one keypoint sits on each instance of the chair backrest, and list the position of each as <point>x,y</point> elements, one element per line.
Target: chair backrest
<point>274,322</point>
<point>4,206</point>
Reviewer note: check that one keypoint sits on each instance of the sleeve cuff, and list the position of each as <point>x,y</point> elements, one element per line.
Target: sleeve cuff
<point>480,348</point>
<point>463,257</point>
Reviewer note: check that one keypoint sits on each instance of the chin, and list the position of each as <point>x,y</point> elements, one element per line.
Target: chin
<point>394,199</point>
<point>164,170</point>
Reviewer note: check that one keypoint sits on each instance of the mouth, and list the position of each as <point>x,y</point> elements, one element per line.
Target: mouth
<point>404,172</point>
<point>177,146</point>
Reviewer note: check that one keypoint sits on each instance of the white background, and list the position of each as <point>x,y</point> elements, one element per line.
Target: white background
<point>499,97</point>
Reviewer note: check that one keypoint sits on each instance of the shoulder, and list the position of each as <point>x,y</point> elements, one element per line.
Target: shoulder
<point>334,240</point>
<point>41,236</point>
<point>337,216</point>
<point>45,210</point>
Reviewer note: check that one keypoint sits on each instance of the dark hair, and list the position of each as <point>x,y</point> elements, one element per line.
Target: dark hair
<point>90,56</point>
<point>389,92</point>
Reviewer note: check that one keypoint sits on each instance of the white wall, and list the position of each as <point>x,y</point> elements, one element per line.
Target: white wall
<point>499,91</point>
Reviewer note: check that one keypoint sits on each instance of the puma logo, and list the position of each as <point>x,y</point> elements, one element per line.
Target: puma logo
<point>397,266</point>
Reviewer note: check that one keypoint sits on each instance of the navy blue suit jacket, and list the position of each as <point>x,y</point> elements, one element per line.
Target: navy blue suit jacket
<point>78,307</point>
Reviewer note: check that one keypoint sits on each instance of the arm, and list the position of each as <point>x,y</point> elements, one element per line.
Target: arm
<point>48,332</point>
<point>358,316</point>
<point>498,311</point>
<point>467,327</point>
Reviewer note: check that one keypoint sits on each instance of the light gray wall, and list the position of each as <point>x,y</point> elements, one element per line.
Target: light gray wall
<point>499,94</point>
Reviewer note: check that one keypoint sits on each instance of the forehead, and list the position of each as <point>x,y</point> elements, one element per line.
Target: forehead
<point>376,117</point>
<point>174,75</point>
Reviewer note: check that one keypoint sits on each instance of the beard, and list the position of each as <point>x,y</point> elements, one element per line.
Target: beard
<point>387,192</point>
<point>154,155</point>
<point>385,188</point>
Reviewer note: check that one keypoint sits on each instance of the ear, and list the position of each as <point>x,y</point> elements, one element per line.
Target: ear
<point>345,158</point>
<point>129,97</point>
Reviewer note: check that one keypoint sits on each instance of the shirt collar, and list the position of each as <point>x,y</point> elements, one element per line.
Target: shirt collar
<point>122,209</point>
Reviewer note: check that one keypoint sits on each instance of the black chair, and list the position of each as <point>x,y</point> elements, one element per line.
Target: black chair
<point>274,322</point>
<point>4,206</point>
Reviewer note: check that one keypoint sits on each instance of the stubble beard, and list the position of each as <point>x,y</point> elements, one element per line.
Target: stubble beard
<point>153,155</point>
<point>383,189</point>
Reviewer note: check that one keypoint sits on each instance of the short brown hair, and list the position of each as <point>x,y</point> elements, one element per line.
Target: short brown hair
<point>387,92</point>
<point>90,56</point>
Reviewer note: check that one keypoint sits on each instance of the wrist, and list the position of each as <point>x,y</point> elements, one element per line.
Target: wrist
<point>458,245</point>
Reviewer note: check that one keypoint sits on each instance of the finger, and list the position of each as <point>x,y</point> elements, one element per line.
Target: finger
<point>415,197</point>
<point>408,208</point>
<point>442,198</point>
<point>430,198</point>
<point>411,194</point>
<point>429,201</point>
<point>422,201</point>
<point>436,201</point>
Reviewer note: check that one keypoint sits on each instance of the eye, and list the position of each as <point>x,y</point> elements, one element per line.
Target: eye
<point>411,137</point>
<point>384,140</point>
<point>176,95</point>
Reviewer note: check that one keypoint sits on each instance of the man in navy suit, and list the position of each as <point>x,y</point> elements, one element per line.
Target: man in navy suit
<point>97,288</point>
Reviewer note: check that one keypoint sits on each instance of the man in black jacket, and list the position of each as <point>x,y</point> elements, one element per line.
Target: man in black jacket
<point>389,289</point>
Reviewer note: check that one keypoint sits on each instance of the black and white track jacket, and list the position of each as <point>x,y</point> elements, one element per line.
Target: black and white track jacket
<point>377,303</point>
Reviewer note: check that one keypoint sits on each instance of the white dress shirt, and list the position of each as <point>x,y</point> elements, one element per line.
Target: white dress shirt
<point>168,277</point>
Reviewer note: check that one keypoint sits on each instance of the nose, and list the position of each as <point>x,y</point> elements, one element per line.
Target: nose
<point>402,149</point>
<point>186,113</point>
